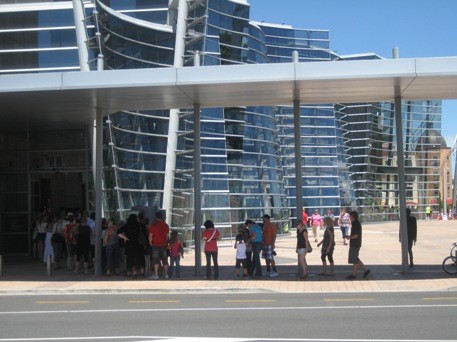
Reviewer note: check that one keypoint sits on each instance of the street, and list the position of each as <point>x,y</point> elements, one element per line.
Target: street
<point>274,316</point>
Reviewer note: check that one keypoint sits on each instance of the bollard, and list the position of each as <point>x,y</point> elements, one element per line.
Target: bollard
<point>48,266</point>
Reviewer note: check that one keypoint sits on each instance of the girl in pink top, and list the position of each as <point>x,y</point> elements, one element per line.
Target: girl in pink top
<point>176,247</point>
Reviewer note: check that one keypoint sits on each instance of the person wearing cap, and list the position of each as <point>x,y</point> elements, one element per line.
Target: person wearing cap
<point>269,232</point>
<point>210,237</point>
<point>241,259</point>
<point>256,241</point>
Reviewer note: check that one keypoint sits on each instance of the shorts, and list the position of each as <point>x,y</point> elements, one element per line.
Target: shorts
<point>159,254</point>
<point>267,252</point>
<point>301,251</point>
<point>241,262</point>
<point>353,255</point>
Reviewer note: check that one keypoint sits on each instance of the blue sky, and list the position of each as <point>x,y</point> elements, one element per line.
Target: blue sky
<point>419,28</point>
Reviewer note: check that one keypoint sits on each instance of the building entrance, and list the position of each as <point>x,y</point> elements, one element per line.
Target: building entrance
<point>50,191</point>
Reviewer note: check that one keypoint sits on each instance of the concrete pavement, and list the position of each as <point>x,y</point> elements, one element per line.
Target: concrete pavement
<point>381,252</point>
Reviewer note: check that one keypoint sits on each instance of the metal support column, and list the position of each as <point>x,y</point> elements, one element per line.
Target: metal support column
<point>401,173</point>
<point>197,191</point>
<point>297,145</point>
<point>98,191</point>
<point>298,173</point>
<point>401,185</point>
<point>81,35</point>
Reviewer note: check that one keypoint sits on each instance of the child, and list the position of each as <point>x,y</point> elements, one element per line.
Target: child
<point>176,247</point>
<point>328,244</point>
<point>241,260</point>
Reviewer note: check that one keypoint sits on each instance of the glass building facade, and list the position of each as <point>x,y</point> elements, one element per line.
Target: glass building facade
<point>247,153</point>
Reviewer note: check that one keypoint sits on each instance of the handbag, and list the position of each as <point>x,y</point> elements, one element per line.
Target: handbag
<point>205,241</point>
<point>309,249</point>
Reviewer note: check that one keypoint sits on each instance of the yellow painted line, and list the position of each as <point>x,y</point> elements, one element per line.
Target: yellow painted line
<point>62,302</point>
<point>347,299</point>
<point>154,301</point>
<point>250,300</point>
<point>439,298</point>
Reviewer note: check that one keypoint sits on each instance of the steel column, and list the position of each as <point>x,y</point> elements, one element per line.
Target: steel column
<point>98,191</point>
<point>197,191</point>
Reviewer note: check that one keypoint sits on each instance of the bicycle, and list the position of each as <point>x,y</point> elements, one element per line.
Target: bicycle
<point>450,262</point>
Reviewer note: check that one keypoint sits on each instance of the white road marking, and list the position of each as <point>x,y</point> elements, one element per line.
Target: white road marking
<point>343,307</point>
<point>200,339</point>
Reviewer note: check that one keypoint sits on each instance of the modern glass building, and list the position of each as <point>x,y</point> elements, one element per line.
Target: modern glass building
<point>248,164</point>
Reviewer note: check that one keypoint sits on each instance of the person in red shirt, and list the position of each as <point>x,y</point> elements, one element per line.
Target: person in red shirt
<point>269,232</point>
<point>158,239</point>
<point>210,237</point>
<point>305,217</point>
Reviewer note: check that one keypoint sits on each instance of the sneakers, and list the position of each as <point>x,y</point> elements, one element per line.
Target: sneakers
<point>167,276</point>
<point>366,273</point>
<point>245,277</point>
<point>351,277</point>
<point>273,274</point>
<point>154,276</point>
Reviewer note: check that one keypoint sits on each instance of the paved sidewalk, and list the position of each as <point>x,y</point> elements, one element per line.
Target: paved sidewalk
<point>381,252</point>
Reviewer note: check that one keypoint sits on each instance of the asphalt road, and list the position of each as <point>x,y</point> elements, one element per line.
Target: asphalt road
<point>233,316</point>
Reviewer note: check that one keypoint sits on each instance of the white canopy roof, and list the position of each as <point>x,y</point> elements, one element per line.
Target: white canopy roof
<point>69,98</point>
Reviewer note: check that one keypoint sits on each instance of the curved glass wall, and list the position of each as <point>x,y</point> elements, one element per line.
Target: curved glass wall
<point>323,176</point>
<point>370,144</point>
<point>39,39</point>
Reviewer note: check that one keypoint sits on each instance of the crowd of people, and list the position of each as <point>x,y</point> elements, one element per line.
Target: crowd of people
<point>67,240</point>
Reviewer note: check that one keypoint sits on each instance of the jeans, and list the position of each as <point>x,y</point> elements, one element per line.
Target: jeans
<point>112,256</point>
<point>256,249</point>
<point>175,261</point>
<point>208,265</point>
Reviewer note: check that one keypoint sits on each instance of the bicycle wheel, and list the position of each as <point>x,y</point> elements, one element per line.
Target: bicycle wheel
<point>450,265</point>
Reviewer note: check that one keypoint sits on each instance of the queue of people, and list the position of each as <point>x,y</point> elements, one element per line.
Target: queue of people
<point>125,246</point>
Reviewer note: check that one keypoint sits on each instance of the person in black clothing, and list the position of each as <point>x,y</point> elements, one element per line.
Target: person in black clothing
<point>411,223</point>
<point>355,242</point>
<point>130,233</point>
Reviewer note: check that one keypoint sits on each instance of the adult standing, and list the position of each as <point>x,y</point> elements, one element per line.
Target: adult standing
<point>344,222</point>
<point>328,245</point>
<point>304,217</point>
<point>210,236</point>
<point>316,223</point>
<point>428,213</point>
<point>269,233</point>
<point>82,237</point>
<point>144,240</point>
<point>355,243</point>
<point>302,248</point>
<point>411,224</point>
<point>256,241</point>
<point>158,239</point>
<point>69,237</point>
<point>41,234</point>
<point>58,238</point>
<point>112,250</point>
<point>130,232</point>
